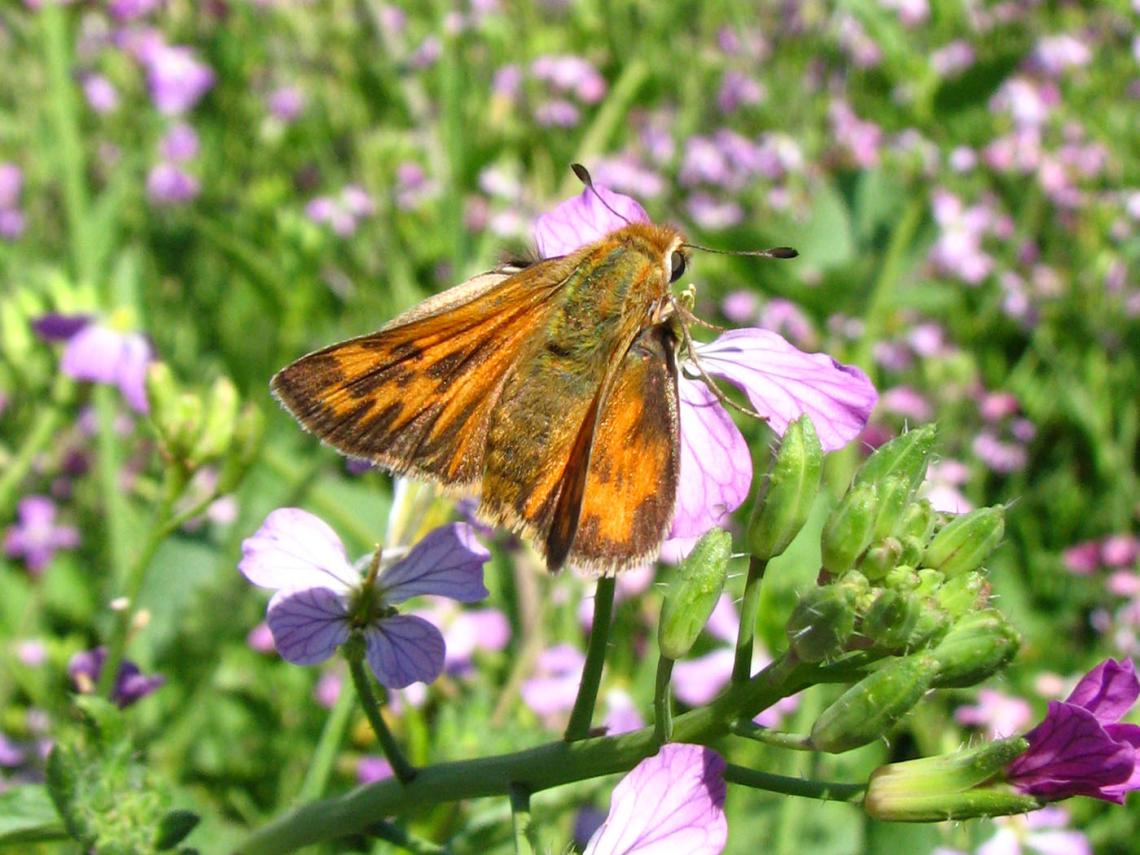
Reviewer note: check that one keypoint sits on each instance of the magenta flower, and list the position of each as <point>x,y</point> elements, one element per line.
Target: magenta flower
<point>131,684</point>
<point>321,600</point>
<point>554,686</point>
<point>101,94</point>
<point>780,382</point>
<point>37,536</point>
<point>179,143</point>
<point>103,355</point>
<point>176,78</point>
<point>1082,748</point>
<point>670,802</point>
<point>286,103</point>
<point>168,184</point>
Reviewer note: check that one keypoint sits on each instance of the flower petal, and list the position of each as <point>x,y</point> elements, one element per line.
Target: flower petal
<point>294,549</point>
<point>783,383</point>
<point>1108,691</point>
<point>447,563</point>
<point>698,681</point>
<point>103,355</point>
<point>308,625</point>
<point>583,219</point>
<point>671,802</point>
<point>716,466</point>
<point>404,649</point>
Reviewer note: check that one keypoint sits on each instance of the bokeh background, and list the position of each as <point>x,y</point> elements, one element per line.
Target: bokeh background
<point>241,182</point>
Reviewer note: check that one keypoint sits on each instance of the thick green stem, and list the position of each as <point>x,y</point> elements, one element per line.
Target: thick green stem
<point>320,767</point>
<point>526,842</point>
<point>823,790</point>
<point>663,702</point>
<point>749,610</point>
<point>537,769</point>
<point>779,739</point>
<point>404,771</point>
<point>583,712</point>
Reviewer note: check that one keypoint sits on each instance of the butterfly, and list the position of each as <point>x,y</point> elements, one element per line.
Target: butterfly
<point>550,388</point>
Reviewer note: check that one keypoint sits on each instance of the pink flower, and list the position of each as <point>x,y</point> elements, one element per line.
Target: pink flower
<point>104,355</point>
<point>38,536</point>
<point>670,802</point>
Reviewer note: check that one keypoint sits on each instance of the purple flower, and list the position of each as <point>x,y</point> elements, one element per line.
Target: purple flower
<point>37,536</point>
<point>128,10</point>
<point>168,184</point>
<point>101,94</point>
<point>1001,715</point>
<point>131,684</point>
<point>179,143</point>
<point>12,223</point>
<point>103,355</point>
<point>1041,831</point>
<point>670,802</point>
<point>1082,748</point>
<point>780,382</point>
<point>557,113</point>
<point>58,327</point>
<point>11,183</point>
<point>286,103</point>
<point>321,601</point>
<point>554,686</point>
<point>176,78</point>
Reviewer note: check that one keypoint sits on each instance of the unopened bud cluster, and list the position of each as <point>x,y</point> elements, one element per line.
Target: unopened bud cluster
<point>900,581</point>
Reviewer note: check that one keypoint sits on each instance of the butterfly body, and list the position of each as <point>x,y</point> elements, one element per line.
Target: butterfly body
<point>552,390</point>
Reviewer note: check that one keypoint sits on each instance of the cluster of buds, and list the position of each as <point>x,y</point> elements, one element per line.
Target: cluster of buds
<point>903,587</point>
<point>195,430</point>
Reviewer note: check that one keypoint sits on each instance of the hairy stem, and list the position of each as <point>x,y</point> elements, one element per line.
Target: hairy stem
<point>749,609</point>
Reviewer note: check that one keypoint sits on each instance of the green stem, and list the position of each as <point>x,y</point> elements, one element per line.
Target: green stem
<point>537,769</point>
<point>794,741</point>
<point>405,772</point>
<point>47,420</point>
<point>109,478</point>
<point>823,790</point>
<point>663,702</point>
<point>63,106</point>
<point>526,837</point>
<point>132,583</point>
<point>320,767</point>
<point>583,712</point>
<point>749,611</point>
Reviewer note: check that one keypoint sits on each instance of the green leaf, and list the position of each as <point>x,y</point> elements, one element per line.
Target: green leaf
<point>826,239</point>
<point>27,814</point>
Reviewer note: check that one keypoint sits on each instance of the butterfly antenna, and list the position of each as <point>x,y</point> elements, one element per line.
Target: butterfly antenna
<point>584,176</point>
<point>690,347</point>
<point>774,252</point>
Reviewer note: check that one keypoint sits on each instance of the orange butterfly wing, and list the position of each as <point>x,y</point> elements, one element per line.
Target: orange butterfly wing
<point>416,396</point>
<point>630,484</point>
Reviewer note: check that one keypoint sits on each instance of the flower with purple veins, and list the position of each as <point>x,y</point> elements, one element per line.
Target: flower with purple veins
<point>670,802</point>
<point>1082,748</point>
<point>131,684</point>
<point>780,382</point>
<point>37,536</point>
<point>103,355</point>
<point>321,601</point>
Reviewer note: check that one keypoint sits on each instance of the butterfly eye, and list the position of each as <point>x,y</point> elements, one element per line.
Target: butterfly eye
<point>677,262</point>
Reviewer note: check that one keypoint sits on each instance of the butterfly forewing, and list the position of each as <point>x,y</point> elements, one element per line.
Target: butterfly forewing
<point>416,396</point>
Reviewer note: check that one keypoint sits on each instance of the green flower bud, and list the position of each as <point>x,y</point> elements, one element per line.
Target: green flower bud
<point>243,448</point>
<point>963,594</point>
<point>219,422</point>
<point>902,578</point>
<point>185,425</point>
<point>892,619</point>
<point>963,544</point>
<point>894,497</point>
<point>162,395</point>
<point>872,707</point>
<point>918,521</point>
<point>881,558</point>
<point>693,592</point>
<point>822,622</point>
<point>976,647</point>
<point>788,494</point>
<point>952,786</point>
<point>904,457</point>
<point>848,529</point>
<point>932,623</point>
<point>912,550</point>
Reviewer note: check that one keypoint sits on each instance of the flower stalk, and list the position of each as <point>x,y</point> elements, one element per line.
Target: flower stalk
<point>354,653</point>
<point>583,712</point>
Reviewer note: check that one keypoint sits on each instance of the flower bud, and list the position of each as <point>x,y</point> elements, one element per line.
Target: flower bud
<point>789,493</point>
<point>243,448</point>
<point>218,423</point>
<point>822,622</point>
<point>917,521</point>
<point>185,425</point>
<point>964,543</point>
<point>904,457</point>
<point>963,594</point>
<point>873,706</point>
<point>976,647</point>
<point>693,593</point>
<point>848,529</point>
<point>161,395</point>
<point>891,619</point>
<point>894,497</point>
<point>881,558</point>
<point>952,786</point>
